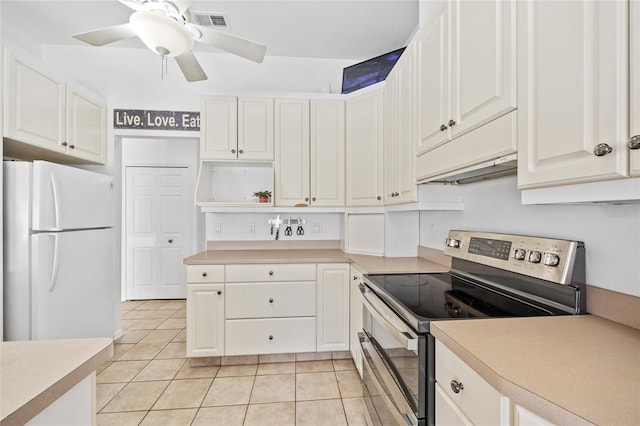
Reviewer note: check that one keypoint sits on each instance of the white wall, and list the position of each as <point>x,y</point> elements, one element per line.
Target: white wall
<point>611,233</point>
<point>236,226</point>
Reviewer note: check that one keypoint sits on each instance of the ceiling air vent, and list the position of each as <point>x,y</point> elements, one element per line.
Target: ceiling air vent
<point>214,20</point>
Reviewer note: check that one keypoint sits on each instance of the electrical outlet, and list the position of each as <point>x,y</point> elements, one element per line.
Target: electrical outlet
<point>252,228</point>
<point>217,228</point>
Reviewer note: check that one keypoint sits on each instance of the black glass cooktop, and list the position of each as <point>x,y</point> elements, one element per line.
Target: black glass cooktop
<point>444,296</point>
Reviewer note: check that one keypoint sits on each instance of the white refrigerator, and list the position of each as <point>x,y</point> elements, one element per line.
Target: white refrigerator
<point>58,252</point>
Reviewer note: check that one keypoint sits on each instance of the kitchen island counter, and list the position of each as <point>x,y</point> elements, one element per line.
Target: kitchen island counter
<point>569,369</point>
<point>35,374</point>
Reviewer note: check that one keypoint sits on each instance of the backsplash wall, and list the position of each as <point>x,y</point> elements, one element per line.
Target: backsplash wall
<point>611,233</point>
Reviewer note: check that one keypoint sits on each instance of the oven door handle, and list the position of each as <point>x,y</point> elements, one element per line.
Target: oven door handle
<point>388,319</point>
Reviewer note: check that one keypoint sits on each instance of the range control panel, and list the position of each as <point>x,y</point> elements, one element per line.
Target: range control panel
<point>545,258</point>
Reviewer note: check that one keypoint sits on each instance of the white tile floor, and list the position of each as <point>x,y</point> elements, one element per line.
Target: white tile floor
<point>149,381</point>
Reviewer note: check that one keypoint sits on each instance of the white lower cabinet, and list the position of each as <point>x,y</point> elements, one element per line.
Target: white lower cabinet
<point>270,336</point>
<point>465,398</point>
<point>355,317</point>
<point>524,417</point>
<point>333,307</point>
<point>205,320</point>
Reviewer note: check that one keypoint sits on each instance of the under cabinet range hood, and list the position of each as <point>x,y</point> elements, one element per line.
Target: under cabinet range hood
<point>499,167</point>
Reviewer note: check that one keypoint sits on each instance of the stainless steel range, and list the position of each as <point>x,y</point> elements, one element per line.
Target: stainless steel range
<point>492,275</point>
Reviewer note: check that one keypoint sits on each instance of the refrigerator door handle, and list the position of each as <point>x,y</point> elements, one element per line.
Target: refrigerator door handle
<point>56,207</point>
<point>54,269</point>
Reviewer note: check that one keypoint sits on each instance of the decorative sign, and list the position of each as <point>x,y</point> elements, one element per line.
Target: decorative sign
<point>156,120</point>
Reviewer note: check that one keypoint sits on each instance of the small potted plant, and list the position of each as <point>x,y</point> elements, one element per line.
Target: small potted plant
<point>263,196</point>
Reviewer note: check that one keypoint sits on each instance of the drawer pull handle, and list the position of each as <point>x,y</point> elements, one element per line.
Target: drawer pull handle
<point>270,300</point>
<point>204,274</point>
<point>271,337</point>
<point>271,273</point>
<point>219,291</point>
<point>456,386</point>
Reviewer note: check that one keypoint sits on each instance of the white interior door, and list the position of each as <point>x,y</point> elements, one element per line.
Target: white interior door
<point>158,228</point>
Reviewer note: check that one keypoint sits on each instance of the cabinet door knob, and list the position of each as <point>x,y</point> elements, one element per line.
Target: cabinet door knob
<point>313,198</point>
<point>270,300</point>
<point>451,123</point>
<point>271,273</point>
<point>170,241</point>
<point>240,151</point>
<point>306,198</point>
<point>204,274</point>
<point>443,128</point>
<point>378,198</point>
<point>634,142</point>
<point>355,278</point>
<point>219,291</point>
<point>233,151</point>
<point>602,149</point>
<point>64,144</point>
<point>72,146</point>
<point>456,386</point>
<point>271,337</point>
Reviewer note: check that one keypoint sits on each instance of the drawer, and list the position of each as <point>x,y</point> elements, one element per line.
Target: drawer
<point>271,272</point>
<point>270,336</point>
<point>270,300</point>
<point>205,274</point>
<point>478,400</point>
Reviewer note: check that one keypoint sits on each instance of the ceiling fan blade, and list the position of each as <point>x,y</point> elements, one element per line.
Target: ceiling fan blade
<point>190,66</point>
<point>106,35</point>
<point>182,5</point>
<point>133,4</point>
<point>233,44</point>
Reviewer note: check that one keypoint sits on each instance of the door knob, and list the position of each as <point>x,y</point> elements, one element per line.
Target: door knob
<point>634,142</point>
<point>602,149</point>
<point>170,241</point>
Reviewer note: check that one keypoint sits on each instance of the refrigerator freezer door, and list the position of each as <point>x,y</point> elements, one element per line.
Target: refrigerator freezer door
<point>70,198</point>
<point>72,284</point>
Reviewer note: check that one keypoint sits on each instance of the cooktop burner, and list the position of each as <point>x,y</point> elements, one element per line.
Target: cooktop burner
<point>439,296</point>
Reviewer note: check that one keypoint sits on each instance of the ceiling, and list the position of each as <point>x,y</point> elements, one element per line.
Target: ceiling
<point>345,29</point>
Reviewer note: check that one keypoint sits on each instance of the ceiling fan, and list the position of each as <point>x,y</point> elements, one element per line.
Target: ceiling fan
<point>168,29</point>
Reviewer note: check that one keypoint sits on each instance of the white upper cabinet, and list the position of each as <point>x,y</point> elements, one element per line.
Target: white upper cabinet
<point>46,119</point>
<point>634,79</point>
<point>292,152</point>
<point>327,153</point>
<point>573,89</point>
<point>255,128</point>
<point>467,69</point>
<point>364,141</point>
<point>85,126</point>
<point>236,128</point>
<point>400,129</point>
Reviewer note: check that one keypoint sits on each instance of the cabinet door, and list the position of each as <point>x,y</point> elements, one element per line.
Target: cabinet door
<point>355,317</point>
<point>364,149</point>
<point>327,153</point>
<point>391,136</point>
<point>255,128</point>
<point>85,126</point>
<point>292,151</point>
<point>205,320</point>
<point>483,62</point>
<point>34,105</point>
<point>572,91</point>
<point>524,417</point>
<point>634,79</point>
<point>434,88</point>
<point>219,128</point>
<point>447,412</point>
<point>332,312</point>
<point>408,125</point>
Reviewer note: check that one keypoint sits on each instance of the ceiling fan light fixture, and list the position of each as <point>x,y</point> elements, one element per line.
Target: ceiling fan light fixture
<point>161,33</point>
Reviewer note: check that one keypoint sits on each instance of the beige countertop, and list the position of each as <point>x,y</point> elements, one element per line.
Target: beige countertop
<point>570,370</point>
<point>370,264</point>
<point>36,373</point>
